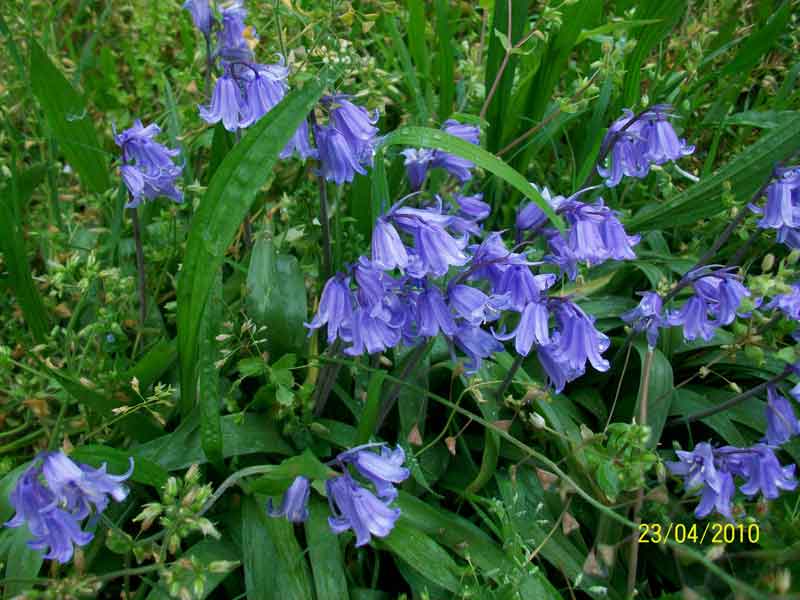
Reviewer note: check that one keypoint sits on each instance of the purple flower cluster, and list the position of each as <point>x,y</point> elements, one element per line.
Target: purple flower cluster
<point>425,276</point>
<point>641,142</point>
<point>147,169</point>
<point>782,209</point>
<point>709,472</point>
<point>55,495</point>
<point>353,505</point>
<point>419,161</point>
<point>246,91</point>
<point>595,233</point>
<point>717,296</point>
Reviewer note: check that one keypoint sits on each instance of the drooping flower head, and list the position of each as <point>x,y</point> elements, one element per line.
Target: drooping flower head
<point>294,505</point>
<point>419,161</point>
<point>148,170</point>
<point>647,316</point>
<point>201,15</point>
<point>55,494</point>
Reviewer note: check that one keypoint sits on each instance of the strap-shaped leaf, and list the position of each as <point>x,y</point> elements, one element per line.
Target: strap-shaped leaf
<point>230,194</point>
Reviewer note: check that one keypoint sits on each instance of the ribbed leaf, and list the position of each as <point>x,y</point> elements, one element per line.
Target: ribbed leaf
<point>747,172</point>
<point>208,384</point>
<point>230,194</point>
<point>69,121</point>
<point>434,138</point>
<point>21,562</point>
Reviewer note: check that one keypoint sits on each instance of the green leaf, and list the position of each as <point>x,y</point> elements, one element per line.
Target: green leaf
<point>613,27</point>
<point>156,361</point>
<point>230,194</point>
<point>372,407</point>
<point>659,392</point>
<point>746,173</point>
<point>276,298</point>
<point>144,471</point>
<point>758,44</point>
<point>208,384</point>
<point>766,119</point>
<point>7,484</point>
<point>274,564</point>
<point>22,563</point>
<point>434,138</point>
<point>12,244</point>
<point>277,480</point>
<point>608,478</point>
<point>409,72</point>
<point>69,121</point>
<point>325,553</point>
<point>423,554</point>
<point>247,434</point>
<point>686,401</point>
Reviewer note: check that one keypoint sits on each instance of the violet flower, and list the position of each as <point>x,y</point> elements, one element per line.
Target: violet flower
<point>294,505</point>
<point>384,470</point>
<point>782,423</point>
<point>201,15</point>
<point>335,306</point>
<point>647,316</point>
<point>419,161</point>
<point>355,507</point>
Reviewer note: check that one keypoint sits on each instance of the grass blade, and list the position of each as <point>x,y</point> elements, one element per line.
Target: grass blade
<point>447,85</point>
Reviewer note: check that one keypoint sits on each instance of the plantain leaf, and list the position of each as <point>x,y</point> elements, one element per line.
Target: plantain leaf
<point>230,194</point>
<point>434,138</point>
<point>69,121</point>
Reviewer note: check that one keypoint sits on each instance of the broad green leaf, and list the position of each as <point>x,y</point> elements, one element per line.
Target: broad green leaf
<point>613,27</point>
<point>230,194</point>
<point>758,44</point>
<point>745,173</point>
<point>22,563</point>
<point>144,471</point>
<point>418,47</point>
<point>434,138</point>
<point>69,121</point>
<point>686,401</point>
<point>659,392</point>
<point>274,564</point>
<point>325,554</point>
<point>208,384</point>
<point>410,74</point>
<point>275,482</point>
<point>372,407</point>
<point>423,554</point>
<point>767,119</point>
<point>156,361</point>
<point>248,434</point>
<point>12,243</point>
<point>276,299</point>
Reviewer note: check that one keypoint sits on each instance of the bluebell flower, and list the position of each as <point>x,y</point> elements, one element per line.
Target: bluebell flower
<point>294,505</point>
<point>79,487</point>
<point>693,317</point>
<point>702,475</point>
<point>596,234</point>
<point>233,45</point>
<point>148,170</point>
<point>300,144</point>
<point>647,316</point>
<point>53,511</point>
<point>355,124</point>
<point>335,307</point>
<point>782,423</point>
<point>627,155</point>
<point>433,314</point>
<point>371,332</point>
<point>417,162</point>
<point>475,307</point>
<point>579,339</point>
<point>522,286</point>
<point>437,249</point>
<point>477,344</point>
<point>723,292</point>
<point>388,250</point>
<point>530,216</point>
<point>558,370</point>
<point>227,104</point>
<point>782,208</point>
<point>764,473</point>
<point>561,254</point>
<point>533,328</point>
<point>383,470</point>
<point>201,15</point>
<point>472,207</point>
<point>663,144</point>
<point>265,87</point>
<point>788,304</point>
<point>355,507</point>
<point>339,161</point>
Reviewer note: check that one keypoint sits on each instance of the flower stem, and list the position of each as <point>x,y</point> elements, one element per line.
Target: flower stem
<point>509,376</point>
<point>327,378</point>
<point>137,240</point>
<point>633,558</point>
<point>327,256</point>
<point>731,402</point>
<point>411,364</point>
